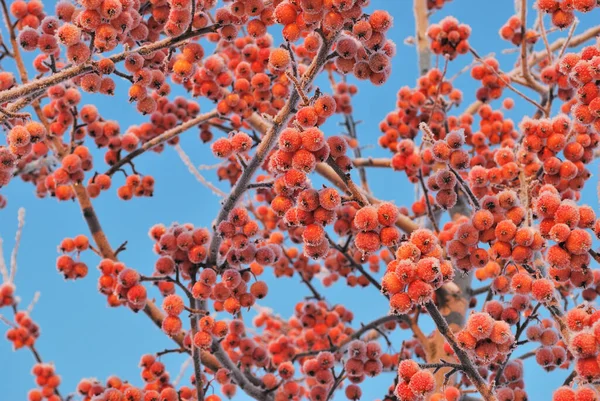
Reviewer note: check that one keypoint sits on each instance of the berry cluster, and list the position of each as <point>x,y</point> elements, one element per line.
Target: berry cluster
<point>231,293</point>
<point>72,170</point>
<point>583,72</point>
<point>443,182</point>
<point>209,328</point>
<point>47,380</point>
<point>416,273</point>
<point>565,223</point>
<point>157,385</point>
<point>237,143</point>
<point>565,393</point>
<point>7,294</point>
<point>136,186</point>
<point>583,323</point>
<point>24,333</point>
<point>343,93</point>
<point>181,247</point>
<point>511,31</point>
<point>449,38</point>
<point>486,339</point>
<point>493,81</point>
<point>121,285</point>
<point>367,53</point>
<point>28,13</point>
<point>376,227</point>
<point>500,223</point>
<point>70,268</point>
<point>239,247</point>
<point>562,10</point>
<point>307,220</point>
<point>552,352</point>
<point>414,383</point>
<point>25,142</point>
<point>425,103</point>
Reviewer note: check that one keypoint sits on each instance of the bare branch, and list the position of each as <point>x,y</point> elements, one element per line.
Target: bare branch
<point>13,256</point>
<point>192,169</point>
<point>164,137</point>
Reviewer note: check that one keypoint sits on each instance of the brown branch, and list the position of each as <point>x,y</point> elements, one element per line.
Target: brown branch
<point>240,379</point>
<point>268,142</point>
<point>76,70</point>
<point>422,22</point>
<point>468,368</point>
<point>524,64</point>
<point>362,173</point>
<point>403,222</point>
<point>356,193</point>
<point>370,162</point>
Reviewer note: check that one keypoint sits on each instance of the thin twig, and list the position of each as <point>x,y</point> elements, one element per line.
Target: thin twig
<point>192,169</point>
<point>13,256</point>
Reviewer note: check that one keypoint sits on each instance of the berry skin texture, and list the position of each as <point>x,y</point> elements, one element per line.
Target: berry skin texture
<point>422,383</point>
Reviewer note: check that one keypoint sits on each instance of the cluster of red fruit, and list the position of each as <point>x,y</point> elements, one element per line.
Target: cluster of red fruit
<point>375,226</point>
<point>443,182</point>
<point>565,223</point>
<point>157,385</point>
<point>548,138</point>
<point>513,383</point>
<point>486,339</point>
<point>500,223</point>
<point>511,31</point>
<point>121,285</point>
<point>231,293</point>
<point>583,72</point>
<point>449,38</point>
<point>168,115</point>
<point>417,272</point>
<point>585,329</point>
<point>236,143</point>
<point>307,220</point>
<point>494,129</point>
<point>414,383</point>
<point>562,10</point>
<point>583,393</point>
<point>590,293</point>
<point>493,81</point>
<point>25,333</point>
<point>66,265</point>
<point>136,186</point>
<point>28,13</point>
<point>72,170</point>
<point>342,94</point>
<point>367,53</point>
<point>239,247</point>
<point>47,380</point>
<point>552,351</point>
<point>425,103</point>
<point>7,294</point>
<point>181,247</point>
<point>25,143</point>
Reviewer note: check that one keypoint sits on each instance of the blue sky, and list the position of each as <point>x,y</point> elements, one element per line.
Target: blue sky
<point>85,338</point>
